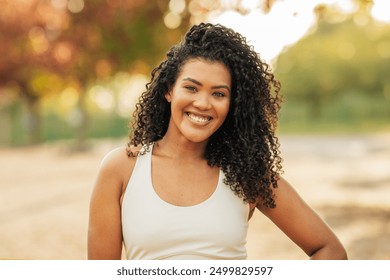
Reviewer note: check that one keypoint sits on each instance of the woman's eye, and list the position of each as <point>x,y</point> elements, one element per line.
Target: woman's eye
<point>191,88</point>
<point>219,94</point>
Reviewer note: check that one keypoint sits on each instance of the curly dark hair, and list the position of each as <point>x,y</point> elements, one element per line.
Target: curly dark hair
<point>245,146</point>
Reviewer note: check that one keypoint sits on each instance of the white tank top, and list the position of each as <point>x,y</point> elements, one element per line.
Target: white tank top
<point>155,229</point>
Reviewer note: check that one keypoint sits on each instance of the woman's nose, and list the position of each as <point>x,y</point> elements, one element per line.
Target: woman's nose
<point>202,101</point>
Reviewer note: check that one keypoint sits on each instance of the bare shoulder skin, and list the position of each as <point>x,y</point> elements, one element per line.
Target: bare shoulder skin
<point>302,225</point>
<point>105,229</point>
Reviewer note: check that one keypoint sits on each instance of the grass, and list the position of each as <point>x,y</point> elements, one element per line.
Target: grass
<point>350,113</point>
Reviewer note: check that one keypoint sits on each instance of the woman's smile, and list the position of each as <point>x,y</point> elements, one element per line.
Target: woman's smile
<point>198,119</point>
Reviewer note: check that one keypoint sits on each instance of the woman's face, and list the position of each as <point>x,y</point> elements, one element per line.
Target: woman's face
<point>200,100</point>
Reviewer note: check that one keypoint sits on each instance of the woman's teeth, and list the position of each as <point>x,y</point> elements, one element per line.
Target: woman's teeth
<point>198,119</point>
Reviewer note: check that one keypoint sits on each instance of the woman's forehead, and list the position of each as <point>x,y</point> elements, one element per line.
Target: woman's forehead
<point>203,71</point>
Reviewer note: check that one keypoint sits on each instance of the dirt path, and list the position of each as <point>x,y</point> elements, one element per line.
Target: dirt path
<point>44,196</point>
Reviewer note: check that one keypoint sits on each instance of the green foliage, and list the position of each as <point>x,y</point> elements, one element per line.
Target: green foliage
<point>341,70</point>
<point>113,126</point>
<point>353,112</point>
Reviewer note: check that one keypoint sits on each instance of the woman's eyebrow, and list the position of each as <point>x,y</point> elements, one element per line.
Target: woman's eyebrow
<point>193,80</point>
<point>200,84</point>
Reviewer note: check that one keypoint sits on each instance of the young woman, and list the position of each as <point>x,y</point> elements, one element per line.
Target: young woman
<point>202,156</point>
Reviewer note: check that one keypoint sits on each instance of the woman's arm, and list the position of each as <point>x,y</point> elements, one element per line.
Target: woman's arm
<point>105,227</point>
<point>302,225</point>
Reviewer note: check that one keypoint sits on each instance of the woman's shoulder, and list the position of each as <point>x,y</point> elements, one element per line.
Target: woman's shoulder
<point>115,158</point>
<point>118,163</point>
<point>119,154</point>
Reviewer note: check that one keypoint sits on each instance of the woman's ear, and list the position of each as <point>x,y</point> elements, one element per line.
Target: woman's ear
<point>168,96</point>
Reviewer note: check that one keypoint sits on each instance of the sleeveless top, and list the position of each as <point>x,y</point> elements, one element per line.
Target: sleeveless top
<point>155,229</point>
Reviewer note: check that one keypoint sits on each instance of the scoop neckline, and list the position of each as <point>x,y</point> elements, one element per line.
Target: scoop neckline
<point>158,197</point>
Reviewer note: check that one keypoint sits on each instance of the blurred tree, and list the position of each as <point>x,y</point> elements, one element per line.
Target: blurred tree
<point>62,42</point>
<point>346,53</point>
<point>27,29</point>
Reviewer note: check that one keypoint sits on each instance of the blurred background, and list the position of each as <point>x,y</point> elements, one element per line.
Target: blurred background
<point>71,72</point>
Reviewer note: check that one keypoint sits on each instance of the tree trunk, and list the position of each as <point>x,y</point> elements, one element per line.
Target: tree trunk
<point>33,122</point>
<point>83,125</point>
<point>315,107</point>
<point>5,125</point>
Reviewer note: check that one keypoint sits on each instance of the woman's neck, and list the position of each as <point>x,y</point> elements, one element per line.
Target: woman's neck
<point>180,148</point>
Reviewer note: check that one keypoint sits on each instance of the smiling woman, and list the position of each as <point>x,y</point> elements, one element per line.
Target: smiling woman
<point>201,157</point>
